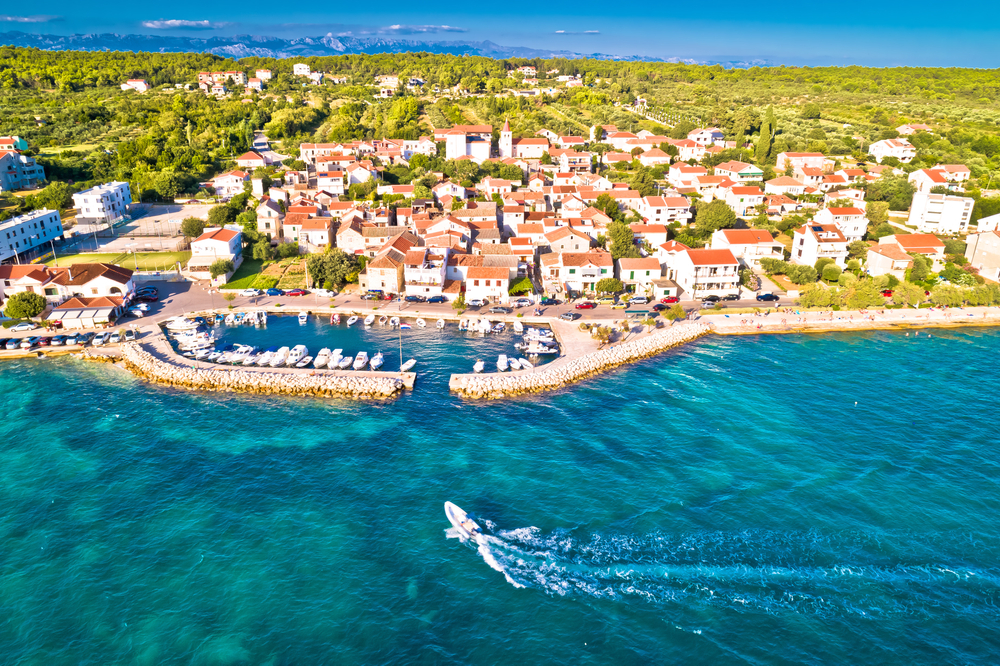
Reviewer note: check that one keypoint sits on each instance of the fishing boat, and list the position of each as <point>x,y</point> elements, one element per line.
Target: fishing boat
<point>303,318</point>
<point>267,356</point>
<point>304,363</point>
<point>500,327</point>
<point>345,362</point>
<point>335,318</point>
<point>382,320</point>
<point>394,322</point>
<point>513,363</point>
<point>335,358</point>
<point>502,364</point>
<point>485,326</point>
<point>352,319</point>
<point>219,319</point>
<point>322,357</point>
<point>463,522</point>
<point>479,366</point>
<point>360,361</point>
<point>202,353</point>
<point>230,319</point>
<point>297,354</point>
<point>377,361</point>
<point>239,317</point>
<point>406,367</point>
<point>525,365</point>
<point>421,323</point>
<point>405,327</point>
<point>263,318</point>
<point>440,323</point>
<point>369,320</point>
<point>538,349</point>
<point>280,357</point>
<point>518,326</point>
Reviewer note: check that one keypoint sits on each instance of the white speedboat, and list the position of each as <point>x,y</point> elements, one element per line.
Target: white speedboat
<point>230,319</point>
<point>440,323</point>
<point>479,366</point>
<point>352,320</point>
<point>394,322</point>
<point>252,358</point>
<point>304,363</point>
<point>335,318</point>
<point>360,361</point>
<point>377,361</point>
<point>213,356</point>
<point>518,326</point>
<point>462,522</point>
<point>502,362</point>
<point>525,365</point>
<point>345,362</point>
<point>369,320</point>
<point>181,324</point>
<point>303,318</point>
<point>241,354</point>
<point>265,358</point>
<point>406,367</point>
<point>485,326</point>
<point>202,353</point>
<point>335,358</point>
<point>500,327</point>
<point>322,358</point>
<point>513,363</point>
<point>280,357</point>
<point>421,323</point>
<point>382,320</point>
<point>297,354</point>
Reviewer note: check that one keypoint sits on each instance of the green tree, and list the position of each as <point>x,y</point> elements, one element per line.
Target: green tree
<point>221,267</point>
<point>219,216</point>
<point>24,305</point>
<point>609,285</point>
<point>907,293</point>
<point>831,272</point>
<point>622,241</point>
<point>675,312</point>
<point>858,249</point>
<point>921,268</point>
<point>822,263</point>
<point>459,303</point>
<point>522,285</point>
<point>766,138</point>
<point>877,212</point>
<point>262,250</point>
<point>713,216</point>
<point>192,227</point>
<point>811,111</point>
<point>798,274</point>
<point>288,249</point>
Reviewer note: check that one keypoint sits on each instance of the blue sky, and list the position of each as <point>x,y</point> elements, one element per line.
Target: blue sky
<point>890,32</point>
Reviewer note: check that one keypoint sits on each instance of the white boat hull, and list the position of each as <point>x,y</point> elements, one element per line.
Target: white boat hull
<point>460,521</point>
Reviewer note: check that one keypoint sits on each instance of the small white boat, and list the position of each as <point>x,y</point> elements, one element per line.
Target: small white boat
<point>265,358</point>
<point>440,323</point>
<point>502,362</point>
<point>479,366</point>
<point>394,322</point>
<point>181,324</point>
<point>360,361</point>
<point>518,326</point>
<point>377,361</point>
<point>335,318</point>
<point>382,320</point>
<point>304,363</point>
<point>369,320</point>
<point>252,359</point>
<point>421,323</point>
<point>408,365</point>
<point>322,357</point>
<point>513,363</point>
<point>352,320</point>
<point>335,358</point>
<point>297,354</point>
<point>500,327</point>
<point>280,357</point>
<point>213,356</point>
<point>485,326</point>
<point>202,353</point>
<point>262,316</point>
<point>525,365</point>
<point>345,362</point>
<point>462,522</point>
<point>303,318</point>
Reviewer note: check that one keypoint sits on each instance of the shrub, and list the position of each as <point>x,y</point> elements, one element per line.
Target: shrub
<point>823,263</point>
<point>459,303</point>
<point>675,312</point>
<point>801,274</point>
<point>221,267</point>
<point>192,227</point>
<point>609,286</point>
<point>288,249</point>
<point>24,305</point>
<point>831,272</point>
<point>774,266</point>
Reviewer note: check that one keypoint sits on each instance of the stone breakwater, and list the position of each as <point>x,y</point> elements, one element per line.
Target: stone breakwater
<point>146,366</point>
<point>497,385</point>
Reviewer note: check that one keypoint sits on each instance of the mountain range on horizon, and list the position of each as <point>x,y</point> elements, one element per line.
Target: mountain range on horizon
<point>242,46</point>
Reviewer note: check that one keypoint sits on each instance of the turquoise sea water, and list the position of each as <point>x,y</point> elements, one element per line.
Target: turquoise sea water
<point>773,499</point>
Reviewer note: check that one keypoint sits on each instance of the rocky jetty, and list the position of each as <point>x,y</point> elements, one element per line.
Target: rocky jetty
<point>497,385</point>
<point>319,383</point>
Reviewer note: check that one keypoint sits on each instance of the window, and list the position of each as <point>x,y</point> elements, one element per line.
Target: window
<point>475,283</point>
<point>572,271</point>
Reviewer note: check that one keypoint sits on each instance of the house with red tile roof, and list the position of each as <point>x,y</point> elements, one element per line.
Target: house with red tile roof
<point>888,260</point>
<point>575,271</point>
<point>851,221</point>
<point>812,242</point>
<point>748,245</point>
<point>639,273</point>
<point>928,245</point>
<point>901,149</point>
<point>707,272</point>
<point>743,200</point>
<point>250,160</point>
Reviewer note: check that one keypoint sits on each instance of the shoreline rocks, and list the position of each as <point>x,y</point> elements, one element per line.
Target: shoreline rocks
<point>495,385</point>
<point>146,366</point>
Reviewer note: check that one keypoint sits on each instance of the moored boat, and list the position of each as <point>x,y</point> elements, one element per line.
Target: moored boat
<point>408,365</point>
<point>303,318</point>
<point>502,364</point>
<point>267,356</point>
<point>394,322</point>
<point>345,362</point>
<point>335,358</point>
<point>377,361</point>
<point>525,364</point>
<point>440,323</point>
<point>351,320</point>
<point>463,324</point>
<point>360,361</point>
<point>518,326</point>
<point>280,357</point>
<point>297,353</point>
<point>382,320</point>
<point>479,366</point>
<point>322,357</point>
<point>335,318</point>
<point>304,363</point>
<point>513,363</point>
<point>421,323</point>
<point>369,320</point>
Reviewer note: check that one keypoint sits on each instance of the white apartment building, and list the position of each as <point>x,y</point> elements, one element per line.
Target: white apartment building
<point>103,203</point>
<point>19,171</point>
<point>748,245</point>
<point>707,272</point>
<point>301,69</point>
<point>898,148</point>
<point>812,242</point>
<point>851,221</point>
<point>26,232</point>
<point>940,213</point>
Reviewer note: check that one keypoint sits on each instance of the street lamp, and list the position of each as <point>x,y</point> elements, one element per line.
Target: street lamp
<point>55,260</point>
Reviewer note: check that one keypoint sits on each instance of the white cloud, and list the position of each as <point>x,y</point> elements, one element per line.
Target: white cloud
<point>417,29</point>
<point>41,18</point>
<point>181,24</point>
<point>584,32</point>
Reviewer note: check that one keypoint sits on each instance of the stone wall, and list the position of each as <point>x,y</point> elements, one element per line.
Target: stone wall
<point>143,364</point>
<point>496,385</point>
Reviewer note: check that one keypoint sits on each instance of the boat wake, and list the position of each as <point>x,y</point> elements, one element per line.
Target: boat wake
<point>752,571</point>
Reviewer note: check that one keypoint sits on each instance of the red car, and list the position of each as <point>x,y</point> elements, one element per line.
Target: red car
<point>295,292</point>
<point>887,292</point>
<point>670,299</point>
<point>586,305</point>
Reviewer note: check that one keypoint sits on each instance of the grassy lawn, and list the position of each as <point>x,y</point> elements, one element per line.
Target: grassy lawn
<point>146,261</point>
<point>80,147</point>
<point>245,274</point>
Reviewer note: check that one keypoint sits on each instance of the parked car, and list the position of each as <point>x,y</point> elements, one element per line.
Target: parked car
<point>371,297</point>
<point>620,305</point>
<point>4,341</point>
<point>325,293</point>
<point>499,309</point>
<point>83,338</point>
<point>114,338</point>
<point>147,290</point>
<point>887,292</point>
<point>142,307</point>
<point>586,305</point>
<point>550,301</point>
<point>605,300</point>
<point>415,299</point>
<point>569,316</point>
<point>28,343</point>
<point>13,343</point>
<point>712,298</point>
<point>731,297</point>
<point>71,339</point>
<point>767,297</point>
<point>132,312</point>
<point>638,300</point>
<point>274,291</point>
<point>58,340</point>
<point>670,299</point>
<point>296,292</point>
<point>659,307</point>
<point>128,335</point>
<point>147,298</point>
<point>45,341</point>
<point>476,303</point>
<point>101,338</point>
<point>251,292</point>
<point>437,299</point>
<point>23,326</point>
<point>710,304</point>
<point>521,302</point>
